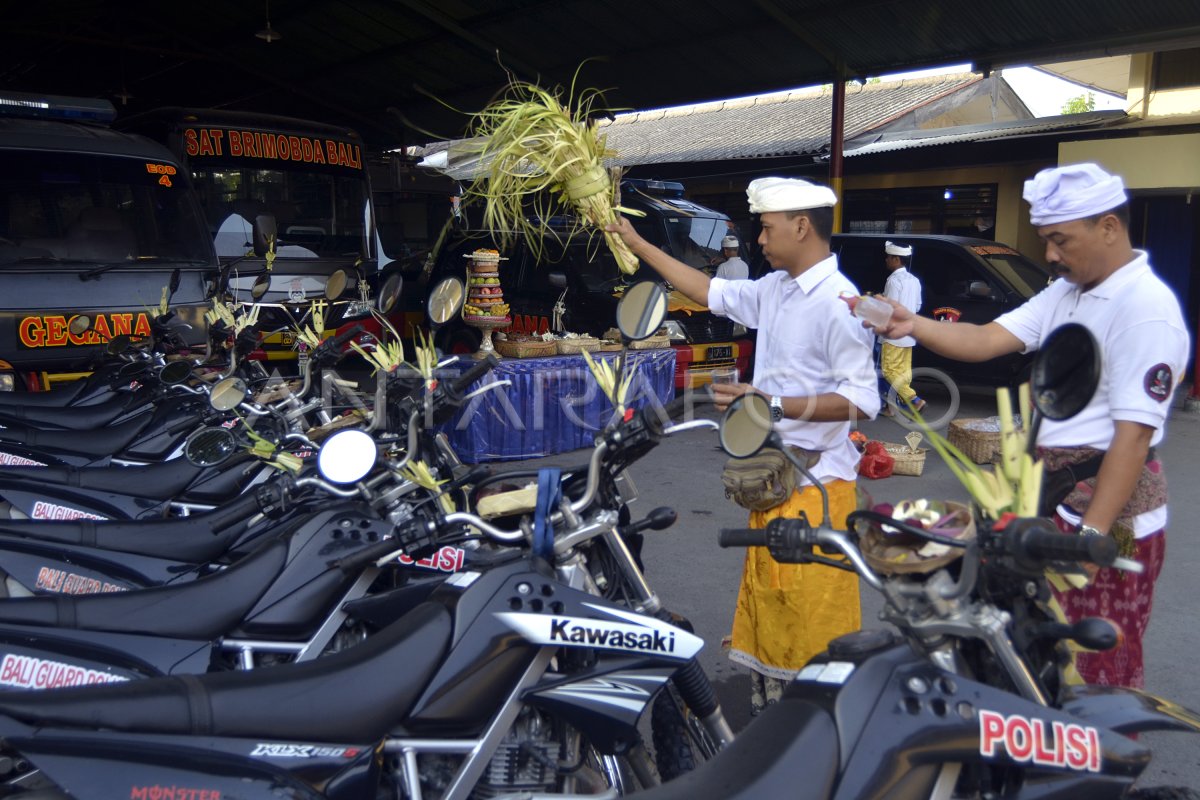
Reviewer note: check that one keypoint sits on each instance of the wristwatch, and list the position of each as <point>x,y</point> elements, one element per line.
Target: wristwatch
<point>776,408</point>
<point>1088,530</point>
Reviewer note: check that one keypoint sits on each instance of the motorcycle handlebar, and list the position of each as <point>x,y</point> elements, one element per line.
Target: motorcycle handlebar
<point>742,537</point>
<point>339,341</point>
<point>464,381</point>
<point>1035,542</point>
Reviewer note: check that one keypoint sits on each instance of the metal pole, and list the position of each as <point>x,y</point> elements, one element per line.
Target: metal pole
<point>836,141</point>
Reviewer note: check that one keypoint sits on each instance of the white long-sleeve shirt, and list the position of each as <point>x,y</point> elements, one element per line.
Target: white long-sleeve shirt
<point>905,288</point>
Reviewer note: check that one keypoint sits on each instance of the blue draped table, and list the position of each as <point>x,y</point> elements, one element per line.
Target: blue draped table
<point>553,405</point>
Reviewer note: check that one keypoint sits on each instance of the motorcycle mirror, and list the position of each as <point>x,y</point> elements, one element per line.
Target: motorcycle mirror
<point>118,344</point>
<point>209,447</point>
<point>389,295</point>
<point>445,301</point>
<point>175,373</point>
<point>641,311</point>
<point>227,394</point>
<point>347,456</point>
<point>1066,372</point>
<point>335,284</point>
<point>261,284</point>
<point>80,324</point>
<point>131,371</point>
<point>173,285</point>
<point>266,229</point>
<point>746,426</point>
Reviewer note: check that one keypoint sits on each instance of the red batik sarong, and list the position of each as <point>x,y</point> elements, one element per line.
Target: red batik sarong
<point>1121,597</point>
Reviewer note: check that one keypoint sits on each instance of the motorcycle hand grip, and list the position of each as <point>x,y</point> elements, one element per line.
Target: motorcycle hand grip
<point>1055,546</point>
<point>742,537</point>
<point>464,381</point>
<point>368,555</point>
<point>339,341</point>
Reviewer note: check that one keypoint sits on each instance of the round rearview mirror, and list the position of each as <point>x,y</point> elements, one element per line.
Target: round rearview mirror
<point>641,310</point>
<point>118,344</point>
<point>746,426</point>
<point>1066,372</point>
<point>389,294</point>
<point>80,324</point>
<point>347,456</point>
<point>335,284</point>
<point>134,370</point>
<point>445,300</point>
<point>227,394</point>
<point>261,284</point>
<point>209,447</point>
<point>175,373</point>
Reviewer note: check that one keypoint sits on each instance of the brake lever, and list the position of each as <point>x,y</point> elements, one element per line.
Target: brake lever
<point>489,387</point>
<point>688,426</point>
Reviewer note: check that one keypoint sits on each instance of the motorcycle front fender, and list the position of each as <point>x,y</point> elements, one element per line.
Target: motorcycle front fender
<point>1128,710</point>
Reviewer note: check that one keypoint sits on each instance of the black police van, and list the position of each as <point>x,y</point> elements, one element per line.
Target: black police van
<point>962,280</point>
<point>580,275</point>
<point>93,223</point>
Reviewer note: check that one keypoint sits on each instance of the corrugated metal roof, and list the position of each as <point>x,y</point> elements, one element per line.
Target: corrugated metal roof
<point>796,123</point>
<point>909,140</point>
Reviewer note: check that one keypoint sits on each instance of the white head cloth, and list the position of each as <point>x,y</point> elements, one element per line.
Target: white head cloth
<point>897,249</point>
<point>787,194</point>
<point>729,242</point>
<point>1076,191</point>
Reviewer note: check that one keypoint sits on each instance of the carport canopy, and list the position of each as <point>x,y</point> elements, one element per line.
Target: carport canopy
<point>405,71</point>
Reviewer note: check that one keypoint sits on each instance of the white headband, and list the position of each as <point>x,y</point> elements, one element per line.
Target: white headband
<point>1076,191</point>
<point>896,249</point>
<point>787,194</point>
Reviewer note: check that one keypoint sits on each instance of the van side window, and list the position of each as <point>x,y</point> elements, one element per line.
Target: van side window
<point>944,273</point>
<point>862,263</point>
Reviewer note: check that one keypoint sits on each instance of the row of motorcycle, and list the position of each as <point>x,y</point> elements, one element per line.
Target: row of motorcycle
<point>217,583</point>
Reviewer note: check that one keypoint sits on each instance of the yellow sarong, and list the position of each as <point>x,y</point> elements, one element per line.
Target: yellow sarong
<point>896,365</point>
<point>787,613</point>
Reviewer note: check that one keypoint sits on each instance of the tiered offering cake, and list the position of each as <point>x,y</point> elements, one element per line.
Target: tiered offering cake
<point>485,299</point>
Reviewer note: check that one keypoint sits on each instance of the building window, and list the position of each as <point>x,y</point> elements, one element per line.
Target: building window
<point>961,210</point>
<point>1177,69</point>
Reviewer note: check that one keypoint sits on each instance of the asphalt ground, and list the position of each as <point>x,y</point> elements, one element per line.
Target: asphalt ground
<point>696,578</point>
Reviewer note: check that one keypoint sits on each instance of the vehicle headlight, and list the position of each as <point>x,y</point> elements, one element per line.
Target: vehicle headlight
<point>739,329</point>
<point>8,382</point>
<point>356,309</point>
<point>675,330</point>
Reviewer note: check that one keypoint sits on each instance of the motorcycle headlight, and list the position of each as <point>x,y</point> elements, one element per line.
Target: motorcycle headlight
<point>356,309</point>
<point>739,329</point>
<point>675,331</point>
<point>8,382</point>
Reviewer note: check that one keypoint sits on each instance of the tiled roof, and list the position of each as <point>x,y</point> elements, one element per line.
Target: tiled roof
<point>795,123</point>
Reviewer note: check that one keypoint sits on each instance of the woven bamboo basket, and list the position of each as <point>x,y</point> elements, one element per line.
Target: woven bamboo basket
<point>531,349</point>
<point>609,347</point>
<point>652,343</point>
<point>909,459</point>
<point>570,347</point>
<point>982,447</point>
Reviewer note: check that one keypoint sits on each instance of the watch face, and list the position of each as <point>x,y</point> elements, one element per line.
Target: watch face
<point>776,409</point>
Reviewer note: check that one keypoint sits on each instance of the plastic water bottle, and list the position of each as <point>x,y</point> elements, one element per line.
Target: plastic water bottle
<point>873,310</point>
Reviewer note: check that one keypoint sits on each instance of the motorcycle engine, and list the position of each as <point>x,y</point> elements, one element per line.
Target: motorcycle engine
<point>526,761</point>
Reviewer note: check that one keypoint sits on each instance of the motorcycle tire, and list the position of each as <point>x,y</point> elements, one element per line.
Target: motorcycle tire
<point>1164,793</point>
<point>673,751</point>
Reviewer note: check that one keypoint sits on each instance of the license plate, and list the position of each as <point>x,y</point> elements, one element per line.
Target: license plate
<point>719,352</point>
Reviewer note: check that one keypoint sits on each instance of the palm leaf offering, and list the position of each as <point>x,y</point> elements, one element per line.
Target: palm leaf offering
<point>606,379</point>
<point>311,334</point>
<point>544,158</point>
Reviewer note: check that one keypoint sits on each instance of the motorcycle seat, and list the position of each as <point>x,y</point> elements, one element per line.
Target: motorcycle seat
<point>102,442</point>
<point>790,751</point>
<point>201,609</point>
<point>195,539</point>
<point>55,398</point>
<point>161,481</point>
<point>72,418</point>
<point>356,695</point>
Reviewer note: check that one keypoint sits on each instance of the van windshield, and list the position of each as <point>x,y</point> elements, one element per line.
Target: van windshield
<point>90,208</point>
<point>317,214</point>
<point>696,241</point>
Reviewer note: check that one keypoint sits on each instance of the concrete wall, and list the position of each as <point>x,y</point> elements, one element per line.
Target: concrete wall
<point>1170,161</point>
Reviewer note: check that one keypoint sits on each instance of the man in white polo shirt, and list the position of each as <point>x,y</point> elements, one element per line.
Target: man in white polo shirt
<point>1082,214</point>
<point>895,356</point>
<point>814,364</point>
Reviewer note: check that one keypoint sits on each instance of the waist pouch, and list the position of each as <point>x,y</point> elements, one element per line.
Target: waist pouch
<point>765,479</point>
<point>1059,483</point>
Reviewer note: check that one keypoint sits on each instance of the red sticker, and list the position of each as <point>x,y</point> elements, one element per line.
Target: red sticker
<point>947,314</point>
<point>1158,382</point>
